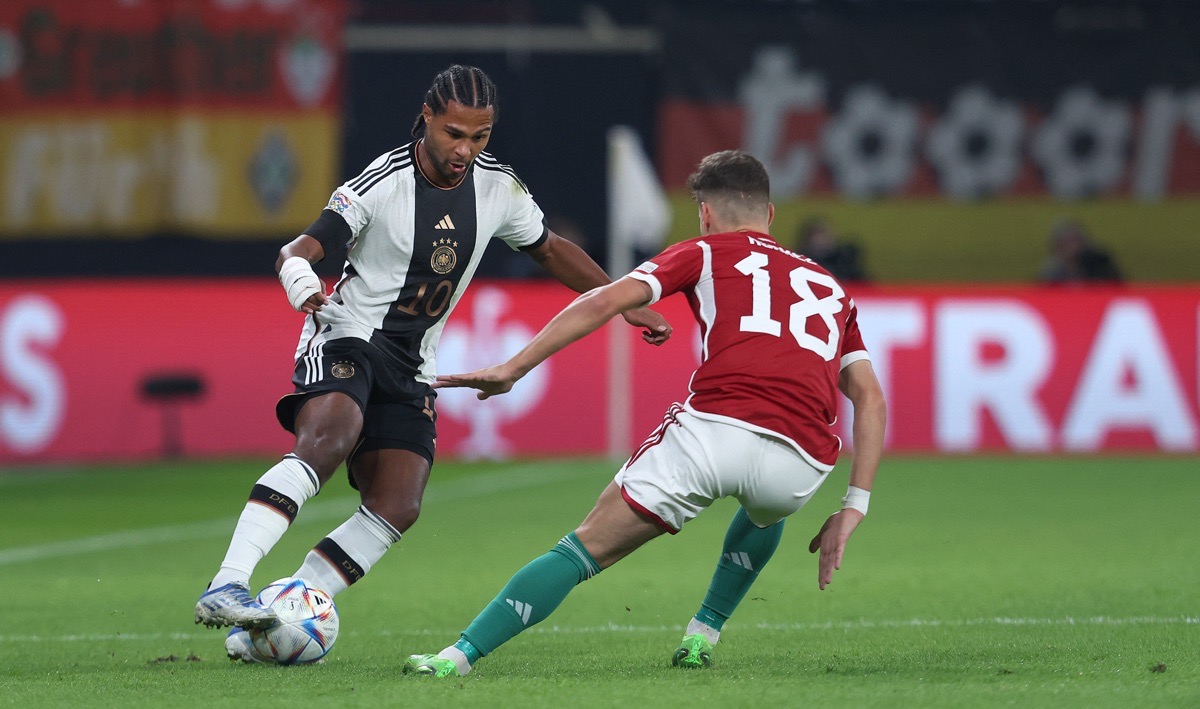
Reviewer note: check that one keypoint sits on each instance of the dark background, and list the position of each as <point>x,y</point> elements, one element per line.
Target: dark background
<point>555,108</point>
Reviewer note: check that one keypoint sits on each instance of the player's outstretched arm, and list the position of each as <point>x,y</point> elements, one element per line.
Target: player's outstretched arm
<point>861,387</point>
<point>572,266</point>
<point>584,315</point>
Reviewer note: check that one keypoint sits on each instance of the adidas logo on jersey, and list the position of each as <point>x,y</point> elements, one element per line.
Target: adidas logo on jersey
<point>446,223</point>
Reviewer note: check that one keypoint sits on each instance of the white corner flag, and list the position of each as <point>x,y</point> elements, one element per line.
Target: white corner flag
<point>639,216</point>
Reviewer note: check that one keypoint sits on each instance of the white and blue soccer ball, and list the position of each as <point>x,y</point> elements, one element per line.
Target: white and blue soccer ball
<point>307,627</point>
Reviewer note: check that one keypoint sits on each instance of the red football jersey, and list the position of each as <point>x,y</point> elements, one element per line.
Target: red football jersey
<point>776,329</point>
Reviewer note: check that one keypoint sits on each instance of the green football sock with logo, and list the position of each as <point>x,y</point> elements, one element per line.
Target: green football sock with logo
<point>746,551</point>
<point>530,596</point>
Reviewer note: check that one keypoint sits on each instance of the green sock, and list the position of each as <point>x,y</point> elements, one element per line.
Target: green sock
<point>530,596</point>
<point>468,649</point>
<point>747,550</point>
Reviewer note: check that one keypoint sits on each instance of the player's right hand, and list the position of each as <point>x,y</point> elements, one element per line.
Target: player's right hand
<point>313,303</point>
<point>490,382</point>
<point>831,541</point>
<point>655,328</point>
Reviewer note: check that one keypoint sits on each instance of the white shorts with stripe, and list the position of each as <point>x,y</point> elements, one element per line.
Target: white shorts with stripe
<point>689,462</point>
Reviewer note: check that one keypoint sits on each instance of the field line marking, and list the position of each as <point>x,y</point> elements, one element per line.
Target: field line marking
<point>479,485</point>
<point>1101,620</point>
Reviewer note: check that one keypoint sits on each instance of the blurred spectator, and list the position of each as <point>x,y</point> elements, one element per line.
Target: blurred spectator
<point>1074,257</point>
<point>840,257</point>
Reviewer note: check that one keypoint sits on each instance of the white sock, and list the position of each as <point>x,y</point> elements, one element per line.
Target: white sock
<point>710,633</point>
<point>349,552</point>
<point>458,657</point>
<point>274,503</point>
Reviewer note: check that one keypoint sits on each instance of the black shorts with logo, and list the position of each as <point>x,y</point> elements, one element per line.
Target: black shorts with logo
<point>398,412</point>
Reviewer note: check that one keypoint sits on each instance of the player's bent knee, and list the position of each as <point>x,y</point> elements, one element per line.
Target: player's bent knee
<point>324,450</point>
<point>401,514</point>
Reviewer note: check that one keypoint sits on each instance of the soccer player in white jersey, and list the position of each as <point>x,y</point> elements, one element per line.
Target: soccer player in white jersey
<point>416,223</point>
<point>780,338</point>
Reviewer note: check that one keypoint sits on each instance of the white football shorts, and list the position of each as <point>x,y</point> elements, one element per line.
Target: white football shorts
<point>689,462</point>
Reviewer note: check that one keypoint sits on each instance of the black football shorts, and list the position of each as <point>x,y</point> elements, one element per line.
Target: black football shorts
<point>398,412</point>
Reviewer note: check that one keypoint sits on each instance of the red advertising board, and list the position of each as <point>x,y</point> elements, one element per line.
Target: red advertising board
<point>965,369</point>
<point>207,117</point>
<point>1037,370</point>
<point>107,55</point>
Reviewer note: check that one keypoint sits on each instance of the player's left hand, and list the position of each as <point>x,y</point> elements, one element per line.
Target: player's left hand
<point>490,382</point>
<point>655,328</point>
<point>831,540</point>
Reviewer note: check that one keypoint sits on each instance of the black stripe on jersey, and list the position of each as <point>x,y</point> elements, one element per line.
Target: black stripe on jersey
<point>491,163</point>
<point>349,569</point>
<point>393,168</point>
<point>367,174</point>
<point>441,251</point>
<point>508,172</point>
<point>487,162</point>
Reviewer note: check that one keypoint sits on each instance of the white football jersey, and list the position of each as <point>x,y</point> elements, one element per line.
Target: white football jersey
<point>412,251</point>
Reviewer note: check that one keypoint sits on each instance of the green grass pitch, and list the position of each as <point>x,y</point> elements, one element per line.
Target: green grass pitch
<point>973,582</point>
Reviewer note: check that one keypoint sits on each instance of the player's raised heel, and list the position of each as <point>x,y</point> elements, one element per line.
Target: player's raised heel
<point>694,652</point>
<point>232,604</point>
<point>430,665</point>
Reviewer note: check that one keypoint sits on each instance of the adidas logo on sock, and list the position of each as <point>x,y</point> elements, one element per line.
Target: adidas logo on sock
<point>522,609</point>
<point>740,558</point>
<point>445,223</point>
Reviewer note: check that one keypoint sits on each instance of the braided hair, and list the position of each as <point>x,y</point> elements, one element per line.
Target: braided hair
<point>466,84</point>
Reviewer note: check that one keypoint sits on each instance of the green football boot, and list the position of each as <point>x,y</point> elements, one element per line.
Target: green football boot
<point>431,665</point>
<point>694,652</point>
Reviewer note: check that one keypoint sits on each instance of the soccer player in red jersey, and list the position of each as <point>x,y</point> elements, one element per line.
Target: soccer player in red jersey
<point>780,339</point>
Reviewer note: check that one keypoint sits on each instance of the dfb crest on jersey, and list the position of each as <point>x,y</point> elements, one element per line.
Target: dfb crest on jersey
<point>444,256</point>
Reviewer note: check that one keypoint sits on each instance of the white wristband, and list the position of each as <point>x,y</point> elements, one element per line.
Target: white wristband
<point>297,277</point>
<point>856,499</point>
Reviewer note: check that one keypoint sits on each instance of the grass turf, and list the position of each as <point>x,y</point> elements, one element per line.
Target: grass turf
<point>974,582</point>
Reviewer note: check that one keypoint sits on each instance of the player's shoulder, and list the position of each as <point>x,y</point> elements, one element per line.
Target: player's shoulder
<point>768,243</point>
<point>387,166</point>
<point>736,241</point>
<point>487,167</point>
<point>696,242</point>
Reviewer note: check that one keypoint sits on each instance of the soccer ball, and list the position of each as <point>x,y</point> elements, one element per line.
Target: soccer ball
<point>307,627</point>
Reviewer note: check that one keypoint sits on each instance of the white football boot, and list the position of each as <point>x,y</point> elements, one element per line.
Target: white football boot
<point>232,604</point>
<point>239,647</point>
